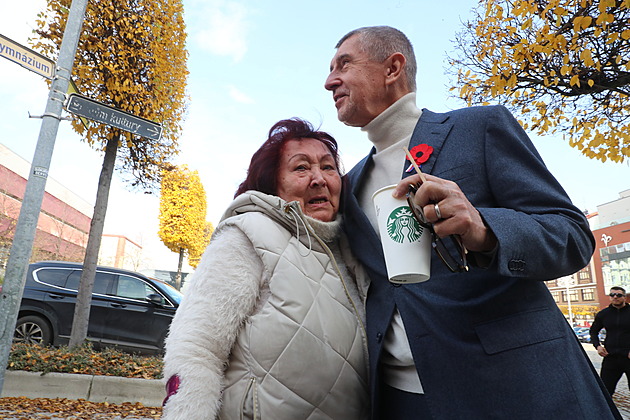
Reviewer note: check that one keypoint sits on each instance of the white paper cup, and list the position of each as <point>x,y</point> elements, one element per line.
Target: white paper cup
<point>406,244</point>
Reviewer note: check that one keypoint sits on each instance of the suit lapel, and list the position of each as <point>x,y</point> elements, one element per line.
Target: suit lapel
<point>431,129</point>
<point>364,241</point>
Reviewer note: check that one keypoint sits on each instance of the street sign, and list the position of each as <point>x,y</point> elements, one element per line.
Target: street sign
<point>72,88</point>
<point>26,57</point>
<point>566,281</point>
<point>89,108</point>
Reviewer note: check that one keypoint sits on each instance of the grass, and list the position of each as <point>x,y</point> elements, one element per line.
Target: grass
<point>84,360</point>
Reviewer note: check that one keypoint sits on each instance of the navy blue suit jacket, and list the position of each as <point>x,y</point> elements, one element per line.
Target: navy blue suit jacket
<point>489,343</point>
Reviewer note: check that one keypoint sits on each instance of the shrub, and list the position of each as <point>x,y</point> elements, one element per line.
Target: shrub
<point>84,360</point>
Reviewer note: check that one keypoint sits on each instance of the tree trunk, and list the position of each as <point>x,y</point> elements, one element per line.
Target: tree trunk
<point>86,284</point>
<point>178,277</point>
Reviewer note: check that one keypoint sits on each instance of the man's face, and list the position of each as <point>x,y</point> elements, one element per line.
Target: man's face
<point>357,84</point>
<point>617,297</point>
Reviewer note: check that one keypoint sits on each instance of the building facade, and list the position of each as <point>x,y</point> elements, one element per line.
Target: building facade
<point>120,251</point>
<point>584,293</point>
<point>64,220</point>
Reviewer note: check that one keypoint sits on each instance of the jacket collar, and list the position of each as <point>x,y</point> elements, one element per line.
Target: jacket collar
<point>431,129</point>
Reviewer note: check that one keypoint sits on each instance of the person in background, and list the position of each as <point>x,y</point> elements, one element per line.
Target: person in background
<point>271,326</point>
<point>483,337</point>
<point>616,348</point>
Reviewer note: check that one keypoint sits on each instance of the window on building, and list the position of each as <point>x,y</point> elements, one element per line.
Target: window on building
<point>616,265</point>
<point>588,294</point>
<point>556,296</point>
<point>584,275</point>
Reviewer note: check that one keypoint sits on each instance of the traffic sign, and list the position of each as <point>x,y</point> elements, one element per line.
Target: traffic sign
<point>96,111</point>
<point>26,57</point>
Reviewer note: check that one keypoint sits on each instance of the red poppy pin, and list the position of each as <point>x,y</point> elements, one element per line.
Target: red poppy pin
<point>421,154</point>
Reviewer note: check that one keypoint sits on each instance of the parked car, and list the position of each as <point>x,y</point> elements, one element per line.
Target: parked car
<point>583,334</point>
<point>128,310</point>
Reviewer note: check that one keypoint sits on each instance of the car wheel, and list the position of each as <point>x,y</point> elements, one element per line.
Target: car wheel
<point>32,329</point>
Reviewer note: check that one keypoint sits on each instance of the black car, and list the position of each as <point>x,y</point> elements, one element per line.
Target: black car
<point>129,310</point>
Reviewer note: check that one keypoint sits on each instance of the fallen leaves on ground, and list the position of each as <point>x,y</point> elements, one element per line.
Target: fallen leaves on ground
<point>63,408</point>
<point>84,360</point>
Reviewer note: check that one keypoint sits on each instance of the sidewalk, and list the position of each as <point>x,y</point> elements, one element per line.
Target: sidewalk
<point>150,392</point>
<point>110,389</point>
<point>622,394</point>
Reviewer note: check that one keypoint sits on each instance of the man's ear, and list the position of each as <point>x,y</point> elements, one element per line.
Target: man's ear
<point>394,68</point>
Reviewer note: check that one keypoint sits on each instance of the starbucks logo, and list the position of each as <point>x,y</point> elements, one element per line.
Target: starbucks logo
<point>401,226</point>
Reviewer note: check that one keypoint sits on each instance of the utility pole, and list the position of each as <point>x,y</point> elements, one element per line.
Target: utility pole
<point>21,248</point>
<point>567,282</point>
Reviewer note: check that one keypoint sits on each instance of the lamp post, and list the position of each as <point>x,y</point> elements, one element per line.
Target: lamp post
<point>567,282</point>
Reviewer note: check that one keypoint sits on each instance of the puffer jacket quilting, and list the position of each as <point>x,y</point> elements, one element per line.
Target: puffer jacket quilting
<point>289,357</point>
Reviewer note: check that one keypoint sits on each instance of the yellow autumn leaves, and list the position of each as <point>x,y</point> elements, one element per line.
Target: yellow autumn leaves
<point>131,56</point>
<point>183,223</point>
<point>564,65</point>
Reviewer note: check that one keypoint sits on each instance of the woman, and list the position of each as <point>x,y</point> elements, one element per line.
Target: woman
<point>271,324</point>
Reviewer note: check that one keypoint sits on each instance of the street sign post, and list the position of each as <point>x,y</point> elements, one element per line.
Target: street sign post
<point>26,57</point>
<point>96,111</point>
<point>567,282</point>
<point>26,227</point>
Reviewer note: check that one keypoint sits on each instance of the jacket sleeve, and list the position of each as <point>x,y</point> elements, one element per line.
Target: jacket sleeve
<point>223,292</point>
<point>596,327</point>
<point>541,234</point>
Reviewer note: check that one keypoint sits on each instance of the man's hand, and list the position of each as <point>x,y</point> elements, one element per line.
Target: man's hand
<point>459,216</point>
<point>602,351</point>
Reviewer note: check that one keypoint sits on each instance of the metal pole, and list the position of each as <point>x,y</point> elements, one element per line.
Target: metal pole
<point>21,248</point>
<point>569,303</point>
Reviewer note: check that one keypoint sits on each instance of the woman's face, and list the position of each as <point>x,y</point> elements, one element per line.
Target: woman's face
<point>308,174</point>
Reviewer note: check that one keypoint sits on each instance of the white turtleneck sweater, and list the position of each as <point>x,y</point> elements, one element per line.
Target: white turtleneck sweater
<point>390,132</point>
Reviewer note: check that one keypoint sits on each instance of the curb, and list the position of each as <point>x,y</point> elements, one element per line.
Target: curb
<point>111,389</point>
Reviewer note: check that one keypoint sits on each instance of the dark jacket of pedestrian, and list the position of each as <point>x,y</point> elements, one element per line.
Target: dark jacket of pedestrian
<point>617,324</point>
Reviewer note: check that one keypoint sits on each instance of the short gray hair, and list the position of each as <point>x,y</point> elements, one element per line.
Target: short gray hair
<point>382,41</point>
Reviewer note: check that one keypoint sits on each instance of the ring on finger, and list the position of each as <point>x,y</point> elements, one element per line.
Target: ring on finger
<point>437,211</point>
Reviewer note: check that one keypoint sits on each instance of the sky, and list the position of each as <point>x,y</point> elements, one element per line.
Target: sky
<point>253,63</point>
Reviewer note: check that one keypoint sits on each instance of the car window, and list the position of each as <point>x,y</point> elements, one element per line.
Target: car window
<point>73,280</point>
<point>102,282</point>
<point>172,292</point>
<point>132,288</point>
<point>54,277</point>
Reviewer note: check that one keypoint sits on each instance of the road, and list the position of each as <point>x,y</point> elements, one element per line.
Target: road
<point>622,394</point>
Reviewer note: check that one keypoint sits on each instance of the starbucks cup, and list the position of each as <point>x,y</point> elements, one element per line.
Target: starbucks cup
<point>406,244</point>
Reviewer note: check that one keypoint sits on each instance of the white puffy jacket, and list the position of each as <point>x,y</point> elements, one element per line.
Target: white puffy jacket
<point>270,327</point>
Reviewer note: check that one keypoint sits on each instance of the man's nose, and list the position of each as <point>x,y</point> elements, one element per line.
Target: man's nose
<point>332,82</point>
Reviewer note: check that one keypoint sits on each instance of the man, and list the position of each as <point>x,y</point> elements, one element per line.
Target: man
<point>616,349</point>
<point>479,344</point>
